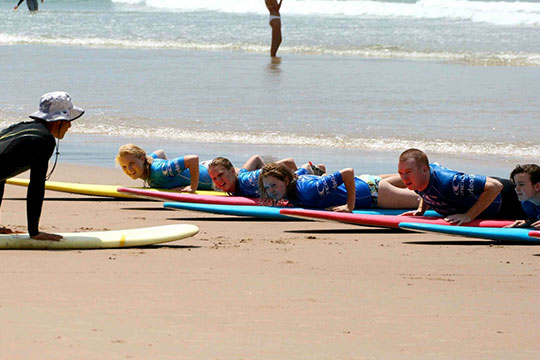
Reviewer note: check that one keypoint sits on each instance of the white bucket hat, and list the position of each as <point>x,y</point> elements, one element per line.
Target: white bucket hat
<point>56,106</point>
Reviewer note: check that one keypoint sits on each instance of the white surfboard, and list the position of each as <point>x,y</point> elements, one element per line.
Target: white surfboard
<point>102,239</point>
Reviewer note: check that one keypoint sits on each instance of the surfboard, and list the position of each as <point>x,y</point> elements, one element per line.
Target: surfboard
<point>391,221</point>
<point>102,239</point>
<point>94,189</point>
<point>267,212</point>
<point>534,233</point>
<point>492,233</point>
<point>32,5</point>
<point>191,198</point>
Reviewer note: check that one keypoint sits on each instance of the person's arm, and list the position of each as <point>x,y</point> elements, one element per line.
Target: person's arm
<point>3,229</point>
<point>159,154</point>
<point>254,163</point>
<point>192,163</point>
<point>536,225</point>
<point>422,208</point>
<point>492,188</point>
<point>17,6</point>
<point>520,224</point>
<point>34,200</point>
<point>350,185</point>
<point>278,5</point>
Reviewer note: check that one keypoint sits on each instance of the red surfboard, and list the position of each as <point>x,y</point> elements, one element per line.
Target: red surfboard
<point>534,233</point>
<point>391,221</point>
<point>192,198</point>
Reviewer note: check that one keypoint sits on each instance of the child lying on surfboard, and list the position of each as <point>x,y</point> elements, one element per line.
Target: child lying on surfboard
<point>527,181</point>
<point>183,173</point>
<point>245,181</point>
<point>339,191</point>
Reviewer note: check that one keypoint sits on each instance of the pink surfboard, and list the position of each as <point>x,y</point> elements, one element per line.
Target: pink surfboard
<point>391,221</point>
<point>191,198</point>
<point>534,233</point>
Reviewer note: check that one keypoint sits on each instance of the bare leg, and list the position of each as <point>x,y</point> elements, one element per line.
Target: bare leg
<point>394,197</point>
<point>276,36</point>
<point>288,162</point>
<point>394,180</point>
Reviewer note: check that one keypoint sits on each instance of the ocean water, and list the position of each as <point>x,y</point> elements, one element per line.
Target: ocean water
<point>356,82</point>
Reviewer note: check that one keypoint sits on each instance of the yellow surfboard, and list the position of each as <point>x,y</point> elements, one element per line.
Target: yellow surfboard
<point>93,189</point>
<point>102,239</point>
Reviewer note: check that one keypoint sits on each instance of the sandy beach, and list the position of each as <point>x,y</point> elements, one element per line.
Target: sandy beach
<point>250,289</point>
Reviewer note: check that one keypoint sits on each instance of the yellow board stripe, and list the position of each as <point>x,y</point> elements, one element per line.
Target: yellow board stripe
<point>123,241</point>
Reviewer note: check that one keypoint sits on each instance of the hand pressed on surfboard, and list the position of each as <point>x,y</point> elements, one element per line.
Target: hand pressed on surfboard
<point>47,236</point>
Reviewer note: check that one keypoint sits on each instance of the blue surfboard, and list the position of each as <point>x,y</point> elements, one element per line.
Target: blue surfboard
<point>501,234</point>
<point>266,212</point>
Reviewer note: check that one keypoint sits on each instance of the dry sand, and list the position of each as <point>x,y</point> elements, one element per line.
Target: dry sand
<point>250,289</point>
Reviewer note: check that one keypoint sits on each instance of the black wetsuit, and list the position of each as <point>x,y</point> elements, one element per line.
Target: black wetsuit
<point>23,146</point>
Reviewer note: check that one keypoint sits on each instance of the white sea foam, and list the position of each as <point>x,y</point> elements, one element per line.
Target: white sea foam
<point>375,52</point>
<point>503,13</point>
<point>442,146</point>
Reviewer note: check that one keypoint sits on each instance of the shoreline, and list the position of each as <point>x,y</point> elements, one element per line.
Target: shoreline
<point>245,288</point>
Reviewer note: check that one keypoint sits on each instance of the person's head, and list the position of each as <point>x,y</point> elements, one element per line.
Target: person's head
<point>276,182</point>
<point>527,180</point>
<point>56,111</point>
<point>133,161</point>
<point>413,168</point>
<point>223,174</point>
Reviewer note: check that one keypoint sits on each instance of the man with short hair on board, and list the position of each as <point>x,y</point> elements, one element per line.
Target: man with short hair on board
<point>459,197</point>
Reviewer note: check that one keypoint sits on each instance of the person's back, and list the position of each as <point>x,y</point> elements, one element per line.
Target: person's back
<point>322,192</point>
<point>452,192</point>
<point>23,144</point>
<point>169,174</point>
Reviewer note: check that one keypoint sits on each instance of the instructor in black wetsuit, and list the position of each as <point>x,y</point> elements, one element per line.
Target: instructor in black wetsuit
<point>28,146</point>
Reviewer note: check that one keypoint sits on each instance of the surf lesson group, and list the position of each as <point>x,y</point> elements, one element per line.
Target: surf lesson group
<point>417,186</point>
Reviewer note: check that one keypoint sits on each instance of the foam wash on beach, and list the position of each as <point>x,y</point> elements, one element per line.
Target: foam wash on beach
<point>358,81</point>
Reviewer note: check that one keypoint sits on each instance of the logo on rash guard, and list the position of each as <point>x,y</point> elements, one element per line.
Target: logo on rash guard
<point>470,189</point>
<point>458,184</point>
<point>325,186</point>
<point>253,179</point>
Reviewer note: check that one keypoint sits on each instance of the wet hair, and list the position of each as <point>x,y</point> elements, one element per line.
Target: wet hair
<point>280,172</point>
<point>226,163</point>
<point>418,155</point>
<point>532,169</point>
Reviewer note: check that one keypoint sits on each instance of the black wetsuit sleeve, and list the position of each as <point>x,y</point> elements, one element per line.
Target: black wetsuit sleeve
<point>35,194</point>
<point>2,185</point>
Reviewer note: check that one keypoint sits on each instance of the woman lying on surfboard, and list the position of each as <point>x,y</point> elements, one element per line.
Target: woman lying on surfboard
<point>183,173</point>
<point>245,181</point>
<point>339,191</point>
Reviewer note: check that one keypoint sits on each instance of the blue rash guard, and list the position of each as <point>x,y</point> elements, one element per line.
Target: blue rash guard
<point>321,192</point>
<point>532,210</point>
<point>248,182</point>
<point>450,192</point>
<point>169,174</point>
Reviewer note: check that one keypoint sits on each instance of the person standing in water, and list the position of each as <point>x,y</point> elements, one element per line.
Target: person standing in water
<point>275,23</point>
<point>32,5</point>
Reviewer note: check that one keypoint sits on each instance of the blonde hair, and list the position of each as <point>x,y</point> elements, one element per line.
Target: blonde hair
<point>280,172</point>
<point>133,150</point>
